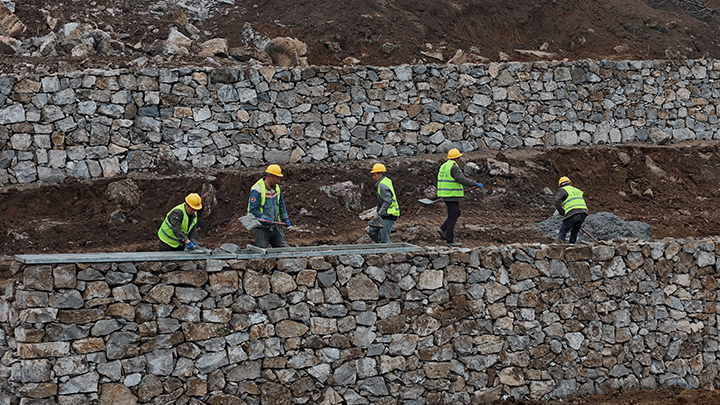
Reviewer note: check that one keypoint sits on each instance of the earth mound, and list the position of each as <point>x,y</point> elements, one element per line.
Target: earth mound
<point>602,226</point>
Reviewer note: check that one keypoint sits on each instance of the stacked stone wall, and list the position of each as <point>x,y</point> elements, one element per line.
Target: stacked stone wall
<point>105,123</point>
<point>434,327</point>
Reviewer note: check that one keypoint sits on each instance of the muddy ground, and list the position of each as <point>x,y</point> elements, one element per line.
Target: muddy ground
<point>672,188</point>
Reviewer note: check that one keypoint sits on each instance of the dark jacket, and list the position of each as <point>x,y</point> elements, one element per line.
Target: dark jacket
<point>458,176</point>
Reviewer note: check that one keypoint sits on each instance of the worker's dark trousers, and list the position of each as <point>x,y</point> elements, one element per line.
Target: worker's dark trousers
<point>382,235</point>
<point>453,210</point>
<point>572,224</point>
<point>164,247</point>
<point>273,236</point>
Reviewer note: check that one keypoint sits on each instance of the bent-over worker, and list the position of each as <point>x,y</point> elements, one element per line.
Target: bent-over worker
<point>450,184</point>
<point>267,204</point>
<point>388,209</point>
<point>178,231</point>
<point>571,205</point>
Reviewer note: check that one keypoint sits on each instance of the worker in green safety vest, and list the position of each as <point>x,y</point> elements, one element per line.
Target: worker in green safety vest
<point>388,209</point>
<point>267,204</point>
<point>179,229</point>
<point>571,205</point>
<point>450,184</point>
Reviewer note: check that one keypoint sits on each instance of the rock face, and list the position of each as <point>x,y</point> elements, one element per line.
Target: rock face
<point>538,322</point>
<point>107,123</point>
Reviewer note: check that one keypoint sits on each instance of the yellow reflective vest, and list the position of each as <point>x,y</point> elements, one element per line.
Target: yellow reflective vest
<point>165,232</point>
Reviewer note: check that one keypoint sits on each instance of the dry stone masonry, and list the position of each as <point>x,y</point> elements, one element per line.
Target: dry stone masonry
<point>105,123</point>
<point>434,327</point>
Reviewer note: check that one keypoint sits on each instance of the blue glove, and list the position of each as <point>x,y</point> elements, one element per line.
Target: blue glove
<point>287,222</point>
<point>479,185</point>
<point>189,246</point>
<point>195,244</point>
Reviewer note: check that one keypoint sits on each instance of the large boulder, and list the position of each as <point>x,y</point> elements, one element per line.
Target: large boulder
<point>10,25</point>
<point>288,52</point>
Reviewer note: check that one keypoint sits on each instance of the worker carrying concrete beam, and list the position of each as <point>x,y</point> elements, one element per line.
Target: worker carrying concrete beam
<point>571,205</point>
<point>179,229</point>
<point>450,190</point>
<point>266,203</point>
<point>388,209</point>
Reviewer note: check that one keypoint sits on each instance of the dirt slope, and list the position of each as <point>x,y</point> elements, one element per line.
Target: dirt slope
<point>390,32</point>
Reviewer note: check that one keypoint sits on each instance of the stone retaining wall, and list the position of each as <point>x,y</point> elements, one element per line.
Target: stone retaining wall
<point>104,123</point>
<point>435,327</point>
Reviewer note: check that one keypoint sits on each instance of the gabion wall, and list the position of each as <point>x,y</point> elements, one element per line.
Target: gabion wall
<point>104,123</point>
<point>435,327</point>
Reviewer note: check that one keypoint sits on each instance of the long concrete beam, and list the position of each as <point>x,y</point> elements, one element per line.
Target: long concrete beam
<point>252,252</point>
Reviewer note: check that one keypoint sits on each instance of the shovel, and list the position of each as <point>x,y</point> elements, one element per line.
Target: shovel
<point>591,237</point>
<point>250,222</point>
<point>429,201</point>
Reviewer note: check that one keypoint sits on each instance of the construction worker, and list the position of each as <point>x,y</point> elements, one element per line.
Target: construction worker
<point>388,209</point>
<point>571,205</point>
<point>267,204</point>
<point>450,190</point>
<point>178,230</point>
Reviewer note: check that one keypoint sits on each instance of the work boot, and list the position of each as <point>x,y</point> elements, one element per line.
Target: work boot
<point>454,244</point>
<point>442,233</point>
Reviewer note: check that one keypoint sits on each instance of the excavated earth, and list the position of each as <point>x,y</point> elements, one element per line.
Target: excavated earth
<point>672,188</point>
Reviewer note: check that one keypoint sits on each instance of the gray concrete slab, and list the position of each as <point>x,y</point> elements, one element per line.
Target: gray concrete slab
<point>251,252</point>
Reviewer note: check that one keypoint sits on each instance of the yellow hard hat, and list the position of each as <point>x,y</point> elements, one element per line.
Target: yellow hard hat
<point>274,170</point>
<point>563,179</point>
<point>378,168</point>
<point>194,201</point>
<point>454,153</point>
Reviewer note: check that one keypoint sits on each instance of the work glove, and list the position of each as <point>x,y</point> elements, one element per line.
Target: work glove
<point>195,244</point>
<point>189,246</point>
<point>479,185</point>
<point>287,222</point>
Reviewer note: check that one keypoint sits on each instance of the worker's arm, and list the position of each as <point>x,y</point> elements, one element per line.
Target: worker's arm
<point>175,218</point>
<point>281,208</point>
<point>255,199</point>
<point>458,175</point>
<point>560,197</point>
<point>193,232</point>
<point>386,197</point>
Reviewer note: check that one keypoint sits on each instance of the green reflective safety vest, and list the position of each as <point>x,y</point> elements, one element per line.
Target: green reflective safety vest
<point>446,185</point>
<point>394,208</point>
<point>166,234</point>
<point>263,191</point>
<point>574,199</point>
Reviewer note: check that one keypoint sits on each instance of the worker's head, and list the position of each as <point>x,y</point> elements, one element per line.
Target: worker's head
<point>272,175</point>
<point>193,202</point>
<point>454,154</point>
<point>378,171</point>
<point>564,181</point>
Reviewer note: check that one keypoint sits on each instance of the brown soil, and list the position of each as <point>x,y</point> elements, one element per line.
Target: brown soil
<point>596,29</point>
<point>672,188</point>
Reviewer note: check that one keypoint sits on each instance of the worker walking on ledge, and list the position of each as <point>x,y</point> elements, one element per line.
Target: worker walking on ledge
<point>571,205</point>
<point>178,231</point>
<point>388,209</point>
<point>450,190</point>
<point>267,204</point>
